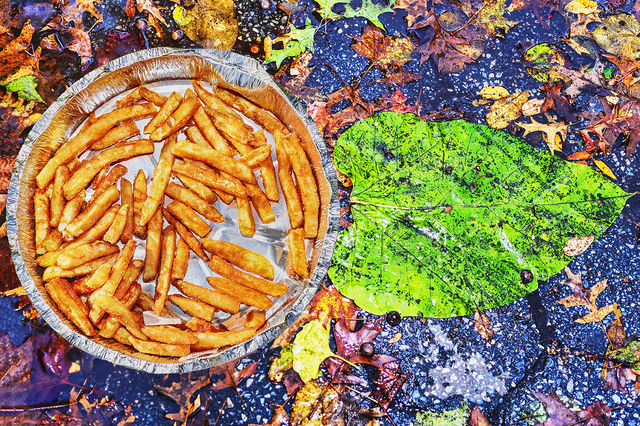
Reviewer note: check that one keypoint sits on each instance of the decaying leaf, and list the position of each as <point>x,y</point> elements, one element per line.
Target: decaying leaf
<point>577,245</point>
<point>231,376</point>
<point>483,325</point>
<point>560,415</point>
<point>542,60</point>
<point>616,374</point>
<point>585,297</point>
<point>455,417</point>
<point>494,92</point>
<point>369,10</point>
<point>295,42</point>
<point>416,188</point>
<point>505,110</point>
<point>182,392</point>
<point>415,10</point>
<point>605,169</point>
<point>583,7</point>
<point>618,35</point>
<point>210,23</point>
<point>478,418</point>
<point>383,51</point>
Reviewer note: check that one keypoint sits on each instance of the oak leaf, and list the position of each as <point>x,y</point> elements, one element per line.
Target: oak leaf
<point>231,375</point>
<point>182,391</point>
<point>554,133</point>
<point>577,245</point>
<point>560,415</point>
<point>382,50</point>
<point>585,297</point>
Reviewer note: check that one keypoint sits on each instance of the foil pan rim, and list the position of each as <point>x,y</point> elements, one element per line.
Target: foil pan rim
<point>224,59</point>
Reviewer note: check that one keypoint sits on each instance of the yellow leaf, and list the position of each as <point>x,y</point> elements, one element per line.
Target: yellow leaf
<point>505,110</point>
<point>18,291</point>
<point>212,24</point>
<point>494,92</point>
<point>554,132</point>
<point>581,6</point>
<point>605,169</point>
<point>596,316</point>
<point>618,35</point>
<point>395,338</point>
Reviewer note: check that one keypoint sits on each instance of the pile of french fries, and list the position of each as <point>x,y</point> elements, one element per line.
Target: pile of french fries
<point>89,219</point>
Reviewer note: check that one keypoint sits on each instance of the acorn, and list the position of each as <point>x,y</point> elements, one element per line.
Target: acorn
<point>526,276</point>
<point>393,318</point>
<point>367,349</point>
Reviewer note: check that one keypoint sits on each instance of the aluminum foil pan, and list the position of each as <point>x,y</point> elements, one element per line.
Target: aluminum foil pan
<point>168,69</point>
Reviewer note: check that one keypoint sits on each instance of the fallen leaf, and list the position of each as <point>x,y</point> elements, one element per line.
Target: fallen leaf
<point>368,10</point>
<point>402,188</point>
<point>579,155</point>
<point>478,418</point>
<point>494,92</point>
<point>585,297</point>
<point>280,416</point>
<point>232,377</point>
<point>542,60</point>
<point>505,110</point>
<point>577,245</point>
<point>396,338</point>
<point>557,101</point>
<point>455,417</point>
<point>210,23</point>
<point>605,169</point>
<point>295,42</point>
<point>415,10</point>
<point>383,51</point>
<point>327,304</point>
<point>182,391</point>
<point>554,133</point>
<point>301,70</point>
<point>488,14</point>
<point>483,325</point>
<point>618,35</point>
<point>560,415</point>
<point>310,349</point>
<point>584,7</point>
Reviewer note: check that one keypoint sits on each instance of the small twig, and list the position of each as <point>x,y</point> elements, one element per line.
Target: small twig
<point>384,410</point>
<point>220,412</point>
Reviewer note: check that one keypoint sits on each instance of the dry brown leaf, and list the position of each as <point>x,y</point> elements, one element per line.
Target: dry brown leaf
<point>577,245</point>
<point>483,325</point>
<point>505,110</point>
<point>585,297</point>
<point>554,133</point>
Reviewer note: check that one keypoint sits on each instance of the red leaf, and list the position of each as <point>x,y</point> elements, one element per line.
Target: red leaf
<point>232,376</point>
<point>478,418</point>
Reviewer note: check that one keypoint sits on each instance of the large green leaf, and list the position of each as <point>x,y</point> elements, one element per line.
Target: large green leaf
<point>448,215</point>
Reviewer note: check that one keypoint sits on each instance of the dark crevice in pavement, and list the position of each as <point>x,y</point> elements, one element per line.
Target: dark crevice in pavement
<point>499,416</point>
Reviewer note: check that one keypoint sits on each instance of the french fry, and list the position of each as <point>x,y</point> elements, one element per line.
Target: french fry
<point>216,299</point>
<point>244,294</point>
<point>181,261</point>
<point>52,241</point>
<point>120,133</point>
<point>117,226</point>
<point>182,194</point>
<point>139,196</point>
<point>72,209</point>
<point>91,215</point>
<point>81,177</point>
<point>215,159</point>
<point>122,336</point>
<point>85,253</point>
<point>189,218</point>
<point>289,189</point>
<point>201,325</point>
<point>188,237</point>
<point>109,288</point>
<point>179,118</point>
<point>161,176</point>
<point>241,257</point>
<point>213,102</point>
<point>52,272</point>
<point>154,97</point>
<point>108,181</point>
<point>195,308</point>
<point>109,326</point>
<point>306,184</point>
<point>246,221</point>
<point>73,164</point>
<point>126,199</point>
<point>256,156</point>
<point>208,340</point>
<point>255,319</point>
<point>41,214</point>
<point>130,275</point>
<point>171,104</point>
<point>199,188</point>
<point>169,334</point>
<point>206,131</point>
<point>246,107</point>
<point>261,204</point>
<point>130,98</point>
<point>210,178</point>
<point>221,267</point>
<point>77,144</point>
<point>95,183</point>
<point>146,302</point>
<point>93,281</point>
<point>235,131</point>
<point>119,311</point>
<point>267,171</point>
<point>70,304</point>
<point>298,259</point>
<point>57,197</point>
<point>166,263</point>
<point>159,349</point>
<point>153,247</point>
